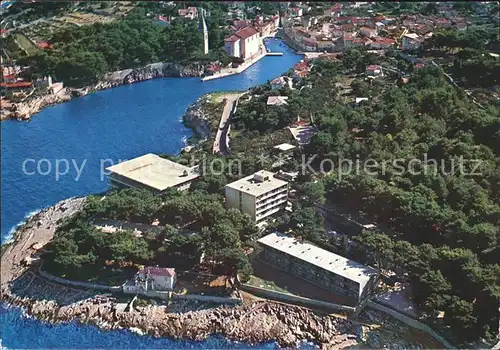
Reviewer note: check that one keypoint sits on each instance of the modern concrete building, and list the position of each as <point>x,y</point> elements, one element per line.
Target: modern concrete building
<point>260,195</point>
<point>152,172</point>
<point>318,266</point>
<point>374,71</point>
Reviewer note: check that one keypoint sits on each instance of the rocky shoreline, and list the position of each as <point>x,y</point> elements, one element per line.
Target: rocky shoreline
<point>26,109</point>
<point>197,119</point>
<point>252,322</point>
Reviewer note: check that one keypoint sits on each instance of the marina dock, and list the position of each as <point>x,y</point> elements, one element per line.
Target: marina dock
<point>232,71</point>
<point>241,68</point>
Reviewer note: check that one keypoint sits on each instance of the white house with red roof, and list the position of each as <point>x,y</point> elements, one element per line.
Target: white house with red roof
<point>382,43</point>
<point>189,13</point>
<point>244,43</point>
<point>151,278</point>
<point>374,71</point>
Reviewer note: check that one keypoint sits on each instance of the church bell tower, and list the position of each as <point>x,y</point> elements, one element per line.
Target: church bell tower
<point>203,28</point>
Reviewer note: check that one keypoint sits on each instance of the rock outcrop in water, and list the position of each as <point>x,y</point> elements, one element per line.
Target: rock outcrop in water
<point>196,118</point>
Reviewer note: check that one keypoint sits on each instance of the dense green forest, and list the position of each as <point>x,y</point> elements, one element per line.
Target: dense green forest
<point>471,62</point>
<point>80,251</point>
<point>81,55</point>
<point>440,225</point>
<point>445,225</point>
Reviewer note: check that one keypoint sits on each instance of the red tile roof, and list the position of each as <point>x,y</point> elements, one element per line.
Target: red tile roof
<point>246,32</point>
<point>373,67</point>
<point>159,271</point>
<point>232,38</point>
<point>367,29</point>
<point>385,41</point>
<point>301,65</point>
<point>43,45</point>
<point>18,84</point>
<point>3,31</point>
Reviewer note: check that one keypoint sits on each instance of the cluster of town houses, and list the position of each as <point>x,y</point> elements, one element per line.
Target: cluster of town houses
<point>334,31</point>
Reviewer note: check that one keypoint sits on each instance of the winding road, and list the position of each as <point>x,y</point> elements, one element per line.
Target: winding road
<point>221,139</point>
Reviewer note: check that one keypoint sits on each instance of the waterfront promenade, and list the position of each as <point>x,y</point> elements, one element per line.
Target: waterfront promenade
<point>225,72</point>
<point>220,145</point>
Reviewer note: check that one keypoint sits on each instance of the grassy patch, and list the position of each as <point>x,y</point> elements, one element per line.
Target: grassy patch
<point>26,44</point>
<point>113,276</point>
<point>216,97</point>
<point>259,282</point>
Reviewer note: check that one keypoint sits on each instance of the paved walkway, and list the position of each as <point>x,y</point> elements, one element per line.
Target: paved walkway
<point>220,142</point>
<point>225,72</point>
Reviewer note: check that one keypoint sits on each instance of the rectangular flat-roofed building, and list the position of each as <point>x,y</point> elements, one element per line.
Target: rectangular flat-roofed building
<point>323,268</point>
<point>152,172</point>
<point>259,195</point>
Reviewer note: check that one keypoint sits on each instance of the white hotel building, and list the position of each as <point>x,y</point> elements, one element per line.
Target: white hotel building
<point>260,195</point>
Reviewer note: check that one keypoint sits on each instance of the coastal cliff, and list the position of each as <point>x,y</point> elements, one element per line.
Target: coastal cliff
<point>27,108</point>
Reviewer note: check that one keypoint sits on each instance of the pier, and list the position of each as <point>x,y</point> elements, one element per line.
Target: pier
<point>232,71</point>
<point>242,67</point>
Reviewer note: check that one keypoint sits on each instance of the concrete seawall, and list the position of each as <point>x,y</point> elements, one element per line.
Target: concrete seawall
<point>294,299</point>
<point>410,322</point>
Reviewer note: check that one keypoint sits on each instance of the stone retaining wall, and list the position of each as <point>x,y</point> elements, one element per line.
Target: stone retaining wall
<point>77,283</point>
<point>410,322</point>
<point>207,298</point>
<point>294,299</point>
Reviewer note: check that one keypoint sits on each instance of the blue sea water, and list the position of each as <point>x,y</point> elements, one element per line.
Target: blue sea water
<point>88,134</point>
<point>20,332</point>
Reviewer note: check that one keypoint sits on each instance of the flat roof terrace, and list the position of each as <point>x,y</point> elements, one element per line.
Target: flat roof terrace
<point>257,184</point>
<point>154,171</point>
<point>319,257</point>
